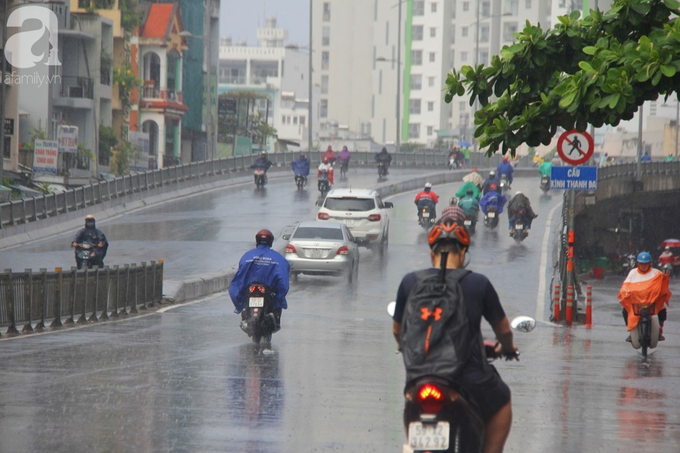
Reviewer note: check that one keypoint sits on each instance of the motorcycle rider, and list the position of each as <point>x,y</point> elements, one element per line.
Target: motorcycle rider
<point>325,166</point>
<point>505,168</point>
<point>519,208</point>
<point>427,197</point>
<point>384,157</point>
<point>262,162</point>
<point>344,156</point>
<point>470,205</point>
<point>545,169</point>
<point>301,167</point>
<point>667,257</point>
<point>329,155</point>
<point>453,211</point>
<point>474,178</point>
<point>93,235</point>
<point>492,198</point>
<point>262,265</point>
<point>469,186</point>
<point>645,284</point>
<point>492,179</point>
<point>479,378</point>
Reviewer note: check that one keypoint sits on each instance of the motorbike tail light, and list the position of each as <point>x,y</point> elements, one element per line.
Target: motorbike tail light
<point>343,250</point>
<point>431,398</point>
<point>374,218</point>
<point>257,288</point>
<point>323,216</point>
<point>290,249</point>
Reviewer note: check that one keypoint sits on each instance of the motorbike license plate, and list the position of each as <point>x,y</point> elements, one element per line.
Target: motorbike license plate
<point>492,215</point>
<point>426,214</point>
<point>467,222</point>
<point>256,302</point>
<point>428,437</point>
<point>519,226</point>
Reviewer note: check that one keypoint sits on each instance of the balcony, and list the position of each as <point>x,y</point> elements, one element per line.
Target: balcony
<point>155,98</point>
<point>75,92</point>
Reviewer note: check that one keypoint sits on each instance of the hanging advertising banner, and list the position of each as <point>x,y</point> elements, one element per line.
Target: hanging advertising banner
<point>67,137</point>
<point>45,157</point>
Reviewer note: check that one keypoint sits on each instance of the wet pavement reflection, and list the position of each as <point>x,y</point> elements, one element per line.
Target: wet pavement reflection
<point>188,380</point>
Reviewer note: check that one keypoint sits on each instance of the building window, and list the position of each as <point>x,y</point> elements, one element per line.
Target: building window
<point>326,36</point>
<point>527,4</point>
<point>295,119</point>
<point>416,81</point>
<point>326,11</point>
<point>464,31</point>
<point>509,29</point>
<point>432,57</point>
<point>466,6</point>
<point>463,56</point>
<point>418,8</point>
<point>417,33</point>
<point>414,106</point>
<point>512,7</point>
<point>433,32</point>
<point>302,120</point>
<point>325,60</point>
<point>416,57</point>
<point>324,84</point>
<point>486,9</point>
<point>484,33</point>
<point>483,57</point>
<point>430,81</point>
<point>414,130</point>
<point>323,108</point>
<point>430,130</point>
<point>283,119</point>
<point>430,106</point>
<point>433,7</point>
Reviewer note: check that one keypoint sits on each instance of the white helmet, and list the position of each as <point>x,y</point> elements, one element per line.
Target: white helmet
<point>492,173</point>
<point>667,248</point>
<point>518,193</point>
<point>428,185</point>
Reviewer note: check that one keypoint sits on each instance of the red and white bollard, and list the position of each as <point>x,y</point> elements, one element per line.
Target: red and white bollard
<point>556,304</point>
<point>589,306</point>
<point>570,302</point>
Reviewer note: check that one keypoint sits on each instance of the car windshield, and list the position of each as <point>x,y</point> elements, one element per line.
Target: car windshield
<point>318,233</point>
<point>350,204</point>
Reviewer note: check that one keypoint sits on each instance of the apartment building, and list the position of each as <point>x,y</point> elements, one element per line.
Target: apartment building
<point>277,75</point>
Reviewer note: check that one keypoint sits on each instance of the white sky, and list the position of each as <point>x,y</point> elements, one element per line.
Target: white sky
<point>240,19</point>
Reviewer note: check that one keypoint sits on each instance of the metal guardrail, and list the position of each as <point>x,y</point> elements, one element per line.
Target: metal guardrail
<point>32,209</point>
<point>646,168</point>
<point>28,297</point>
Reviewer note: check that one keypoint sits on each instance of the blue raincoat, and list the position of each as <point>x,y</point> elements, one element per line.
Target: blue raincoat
<point>505,168</point>
<point>300,167</point>
<point>493,198</point>
<point>262,265</point>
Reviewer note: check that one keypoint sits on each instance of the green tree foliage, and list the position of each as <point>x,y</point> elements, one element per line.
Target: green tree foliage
<point>595,70</point>
<point>107,140</point>
<point>123,154</point>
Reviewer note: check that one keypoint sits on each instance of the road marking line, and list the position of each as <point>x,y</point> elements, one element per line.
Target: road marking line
<point>540,297</point>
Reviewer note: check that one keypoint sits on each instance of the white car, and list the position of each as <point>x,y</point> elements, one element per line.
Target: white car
<point>364,214</point>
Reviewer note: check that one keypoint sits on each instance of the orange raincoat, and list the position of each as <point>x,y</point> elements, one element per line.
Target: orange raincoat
<point>644,289</point>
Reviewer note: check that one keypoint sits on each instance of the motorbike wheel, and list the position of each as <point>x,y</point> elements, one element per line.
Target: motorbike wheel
<point>518,236</point>
<point>80,263</point>
<point>256,338</point>
<point>644,338</point>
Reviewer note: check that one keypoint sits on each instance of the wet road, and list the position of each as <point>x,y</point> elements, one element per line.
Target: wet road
<point>188,380</point>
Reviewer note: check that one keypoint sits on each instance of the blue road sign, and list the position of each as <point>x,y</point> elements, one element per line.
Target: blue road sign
<point>573,178</point>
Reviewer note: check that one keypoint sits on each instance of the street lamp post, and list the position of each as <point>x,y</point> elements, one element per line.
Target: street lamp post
<point>309,98</point>
<point>211,118</point>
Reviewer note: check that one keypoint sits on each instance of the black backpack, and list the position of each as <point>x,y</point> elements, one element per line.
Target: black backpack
<point>435,334</point>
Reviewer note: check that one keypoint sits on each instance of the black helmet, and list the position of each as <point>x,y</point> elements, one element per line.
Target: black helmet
<point>470,192</point>
<point>264,237</point>
<point>303,157</point>
<point>453,201</point>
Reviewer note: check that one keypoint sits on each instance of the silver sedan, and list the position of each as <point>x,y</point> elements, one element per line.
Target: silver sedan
<point>322,248</point>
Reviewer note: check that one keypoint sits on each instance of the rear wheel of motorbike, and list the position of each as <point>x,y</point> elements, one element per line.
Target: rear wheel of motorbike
<point>644,338</point>
<point>294,276</point>
<point>256,338</point>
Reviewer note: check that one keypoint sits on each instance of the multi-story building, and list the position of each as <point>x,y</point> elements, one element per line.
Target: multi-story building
<point>158,108</point>
<point>277,75</point>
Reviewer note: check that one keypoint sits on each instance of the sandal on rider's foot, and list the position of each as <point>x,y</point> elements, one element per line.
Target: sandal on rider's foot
<point>629,339</point>
<point>662,338</point>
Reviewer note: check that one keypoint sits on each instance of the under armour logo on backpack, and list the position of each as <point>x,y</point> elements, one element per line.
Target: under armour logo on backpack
<point>426,313</point>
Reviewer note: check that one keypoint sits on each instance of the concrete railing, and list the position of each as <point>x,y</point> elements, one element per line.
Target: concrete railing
<point>646,168</point>
<point>34,297</point>
<point>121,190</point>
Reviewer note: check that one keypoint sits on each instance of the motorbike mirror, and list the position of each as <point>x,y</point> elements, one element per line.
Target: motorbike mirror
<point>523,323</point>
<point>391,307</point>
